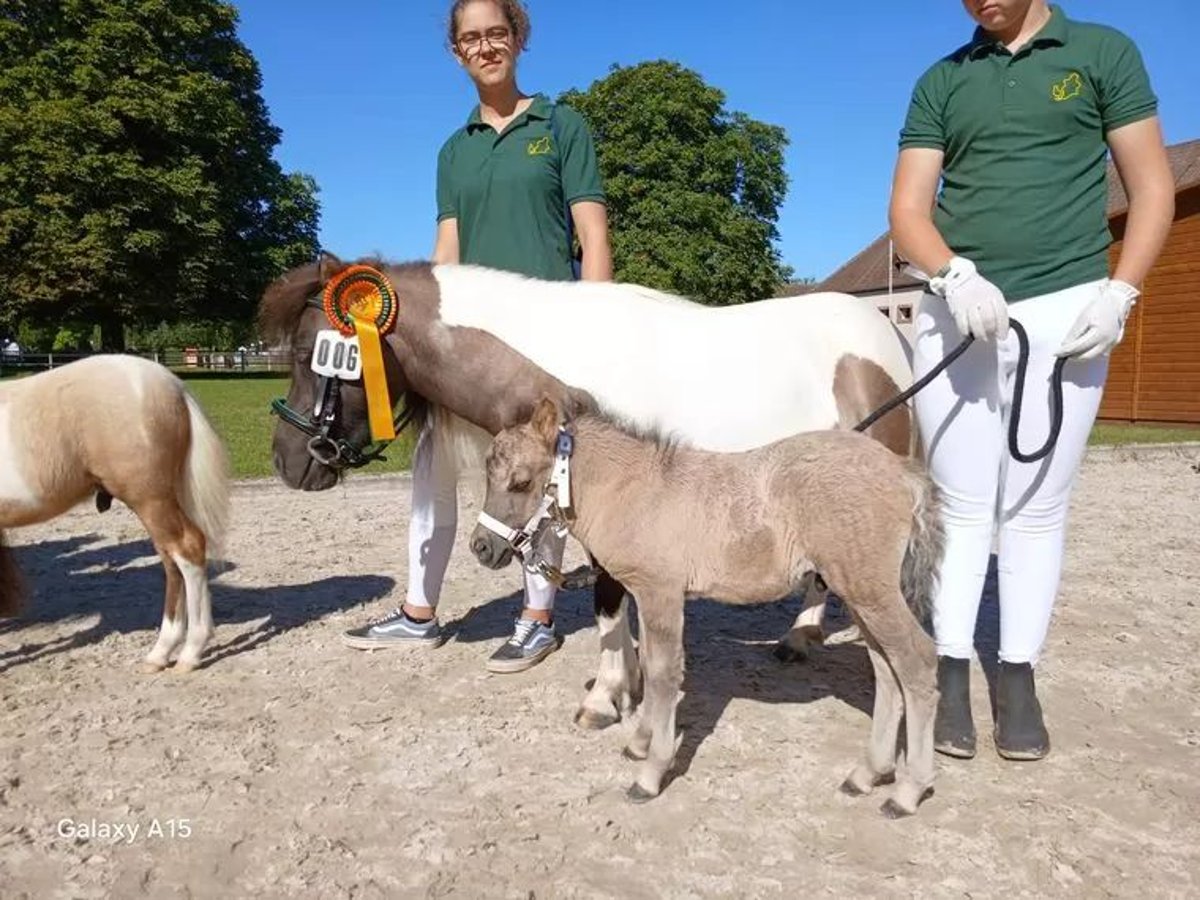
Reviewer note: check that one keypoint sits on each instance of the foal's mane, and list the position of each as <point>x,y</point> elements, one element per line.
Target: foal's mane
<point>283,301</point>
<point>665,445</point>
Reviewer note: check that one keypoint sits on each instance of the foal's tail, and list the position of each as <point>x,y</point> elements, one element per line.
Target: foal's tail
<point>11,588</point>
<point>926,540</point>
<point>205,495</point>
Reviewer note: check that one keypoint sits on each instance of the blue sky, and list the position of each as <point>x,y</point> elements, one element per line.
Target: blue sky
<point>365,93</point>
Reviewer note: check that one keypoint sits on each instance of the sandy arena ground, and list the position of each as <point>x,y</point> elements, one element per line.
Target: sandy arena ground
<point>297,767</point>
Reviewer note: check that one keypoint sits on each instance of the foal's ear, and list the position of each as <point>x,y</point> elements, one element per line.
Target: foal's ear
<point>546,416</point>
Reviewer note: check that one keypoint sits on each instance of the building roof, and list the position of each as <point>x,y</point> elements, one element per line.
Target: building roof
<point>867,272</point>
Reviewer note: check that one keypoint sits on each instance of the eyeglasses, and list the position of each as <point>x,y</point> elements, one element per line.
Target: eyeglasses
<point>471,43</point>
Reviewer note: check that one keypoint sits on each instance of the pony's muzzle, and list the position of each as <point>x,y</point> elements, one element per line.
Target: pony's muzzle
<point>490,549</point>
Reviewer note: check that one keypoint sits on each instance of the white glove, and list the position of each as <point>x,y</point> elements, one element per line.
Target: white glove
<point>1101,325</point>
<point>977,305</point>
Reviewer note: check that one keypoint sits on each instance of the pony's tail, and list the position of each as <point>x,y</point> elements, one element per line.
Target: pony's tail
<point>926,541</point>
<point>12,589</point>
<point>205,494</point>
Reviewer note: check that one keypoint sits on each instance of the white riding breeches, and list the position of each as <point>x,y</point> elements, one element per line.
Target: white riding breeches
<point>434,522</point>
<point>963,417</point>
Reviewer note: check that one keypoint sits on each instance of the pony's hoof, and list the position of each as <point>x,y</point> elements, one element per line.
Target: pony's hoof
<point>786,653</point>
<point>893,810</point>
<point>150,668</point>
<point>633,755</point>
<point>638,794</point>
<point>594,721</point>
<point>184,666</point>
<point>850,789</point>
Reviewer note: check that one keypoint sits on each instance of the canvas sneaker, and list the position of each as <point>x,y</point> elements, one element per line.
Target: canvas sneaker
<point>530,643</point>
<point>395,630</point>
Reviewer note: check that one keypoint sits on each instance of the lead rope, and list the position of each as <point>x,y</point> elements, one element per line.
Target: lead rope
<point>1014,423</point>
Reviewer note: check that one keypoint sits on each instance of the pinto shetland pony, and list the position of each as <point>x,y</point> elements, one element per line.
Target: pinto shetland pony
<point>671,522</point>
<point>123,427</point>
<point>482,346</point>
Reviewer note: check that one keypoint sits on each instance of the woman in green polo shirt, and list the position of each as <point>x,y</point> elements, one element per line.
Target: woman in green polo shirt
<point>512,186</point>
<point>1015,125</point>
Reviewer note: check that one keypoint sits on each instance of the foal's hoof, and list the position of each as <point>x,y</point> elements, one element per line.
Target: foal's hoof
<point>633,755</point>
<point>850,789</point>
<point>594,721</point>
<point>150,668</point>
<point>786,653</point>
<point>638,794</point>
<point>184,666</point>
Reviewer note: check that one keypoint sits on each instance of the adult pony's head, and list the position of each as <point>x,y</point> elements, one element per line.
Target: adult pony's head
<point>323,427</point>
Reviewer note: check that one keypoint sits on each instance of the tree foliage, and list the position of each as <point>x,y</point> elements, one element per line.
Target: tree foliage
<point>693,189</point>
<point>137,182</point>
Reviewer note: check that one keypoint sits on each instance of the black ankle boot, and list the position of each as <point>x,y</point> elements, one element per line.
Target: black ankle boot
<point>1020,732</point>
<point>953,729</point>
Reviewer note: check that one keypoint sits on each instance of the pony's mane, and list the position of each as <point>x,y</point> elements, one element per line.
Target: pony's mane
<point>283,301</point>
<point>665,445</point>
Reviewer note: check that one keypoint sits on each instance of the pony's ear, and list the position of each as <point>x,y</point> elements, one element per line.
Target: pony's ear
<point>546,416</point>
<point>328,266</point>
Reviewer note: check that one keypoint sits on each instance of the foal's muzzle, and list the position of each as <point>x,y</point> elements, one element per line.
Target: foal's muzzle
<point>491,550</point>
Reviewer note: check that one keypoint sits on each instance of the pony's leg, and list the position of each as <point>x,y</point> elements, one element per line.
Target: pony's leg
<point>793,646</point>
<point>613,694</point>
<point>174,620</point>
<point>879,767</point>
<point>199,605</point>
<point>910,653</point>
<point>11,588</point>
<point>177,538</point>
<point>662,661</point>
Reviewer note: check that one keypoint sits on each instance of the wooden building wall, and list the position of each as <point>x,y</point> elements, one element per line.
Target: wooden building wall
<point>1154,375</point>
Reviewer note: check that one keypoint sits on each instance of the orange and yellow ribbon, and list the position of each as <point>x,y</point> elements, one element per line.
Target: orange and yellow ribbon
<point>361,301</point>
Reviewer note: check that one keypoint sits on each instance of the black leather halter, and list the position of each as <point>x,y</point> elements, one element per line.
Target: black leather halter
<point>339,452</point>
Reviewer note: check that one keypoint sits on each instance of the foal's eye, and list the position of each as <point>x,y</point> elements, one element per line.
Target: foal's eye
<point>521,487</point>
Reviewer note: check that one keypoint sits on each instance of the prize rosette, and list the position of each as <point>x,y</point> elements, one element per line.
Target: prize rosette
<point>361,301</point>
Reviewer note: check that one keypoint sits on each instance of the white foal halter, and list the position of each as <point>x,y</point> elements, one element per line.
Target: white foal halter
<point>556,501</point>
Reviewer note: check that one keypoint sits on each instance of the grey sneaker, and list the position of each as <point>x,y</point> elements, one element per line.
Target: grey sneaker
<point>395,630</point>
<point>530,644</point>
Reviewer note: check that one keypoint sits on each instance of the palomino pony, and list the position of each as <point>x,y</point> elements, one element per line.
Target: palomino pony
<point>673,523</point>
<point>482,346</point>
<point>123,427</point>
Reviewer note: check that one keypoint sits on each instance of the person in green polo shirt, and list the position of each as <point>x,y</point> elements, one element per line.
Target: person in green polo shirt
<point>515,185</point>
<point>1016,126</point>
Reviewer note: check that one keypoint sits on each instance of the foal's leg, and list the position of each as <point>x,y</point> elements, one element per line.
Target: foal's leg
<point>913,659</point>
<point>879,767</point>
<point>618,680</point>
<point>662,660</point>
<point>178,539</point>
<point>793,646</point>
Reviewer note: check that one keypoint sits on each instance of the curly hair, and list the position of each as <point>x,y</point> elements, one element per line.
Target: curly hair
<point>514,11</point>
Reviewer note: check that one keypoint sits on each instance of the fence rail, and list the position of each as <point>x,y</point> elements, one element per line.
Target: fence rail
<point>186,360</point>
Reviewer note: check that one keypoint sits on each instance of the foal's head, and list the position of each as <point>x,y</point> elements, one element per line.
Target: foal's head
<point>290,313</point>
<point>518,469</point>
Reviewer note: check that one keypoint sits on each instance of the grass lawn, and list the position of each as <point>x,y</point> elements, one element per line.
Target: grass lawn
<point>240,409</point>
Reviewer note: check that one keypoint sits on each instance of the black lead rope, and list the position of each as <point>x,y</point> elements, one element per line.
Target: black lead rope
<point>1014,422</point>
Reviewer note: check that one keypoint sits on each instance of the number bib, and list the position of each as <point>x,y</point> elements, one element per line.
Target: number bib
<point>337,356</point>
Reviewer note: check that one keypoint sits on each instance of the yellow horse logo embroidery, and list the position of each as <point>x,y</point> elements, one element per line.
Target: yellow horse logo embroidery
<point>540,147</point>
<point>1067,89</point>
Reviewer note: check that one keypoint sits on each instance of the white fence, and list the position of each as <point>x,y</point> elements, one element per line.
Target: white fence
<point>188,359</point>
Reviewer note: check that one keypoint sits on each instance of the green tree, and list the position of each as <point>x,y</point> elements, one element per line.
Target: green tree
<point>137,182</point>
<point>693,189</point>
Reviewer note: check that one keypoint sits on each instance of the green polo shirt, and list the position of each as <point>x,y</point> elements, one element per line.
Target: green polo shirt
<point>509,191</point>
<point>1024,178</point>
